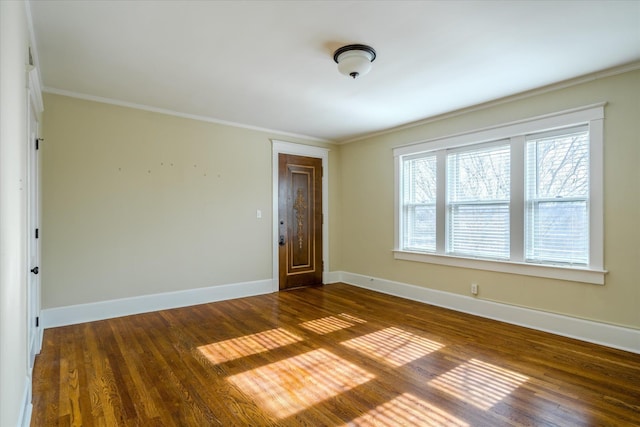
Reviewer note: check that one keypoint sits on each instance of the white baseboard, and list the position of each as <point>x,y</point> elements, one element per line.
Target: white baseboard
<point>70,315</point>
<point>332,277</point>
<point>25,406</point>
<point>40,338</point>
<point>595,332</point>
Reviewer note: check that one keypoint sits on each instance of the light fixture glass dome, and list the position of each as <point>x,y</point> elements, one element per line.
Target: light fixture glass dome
<point>354,60</point>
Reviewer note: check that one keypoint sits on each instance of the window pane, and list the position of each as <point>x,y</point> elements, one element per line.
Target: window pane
<point>557,196</point>
<point>419,198</point>
<point>478,191</point>
<point>479,230</point>
<point>559,166</point>
<point>420,180</point>
<point>421,228</point>
<point>559,232</point>
<point>480,174</point>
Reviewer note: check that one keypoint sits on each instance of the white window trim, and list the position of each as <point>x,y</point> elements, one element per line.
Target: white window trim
<point>593,115</point>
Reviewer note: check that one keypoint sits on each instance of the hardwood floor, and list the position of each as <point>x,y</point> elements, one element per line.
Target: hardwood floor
<point>329,356</point>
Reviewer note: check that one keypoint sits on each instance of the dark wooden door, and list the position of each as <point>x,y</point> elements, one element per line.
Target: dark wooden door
<point>299,221</point>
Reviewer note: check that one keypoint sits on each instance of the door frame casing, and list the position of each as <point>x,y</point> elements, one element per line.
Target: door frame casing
<point>283,147</point>
<point>33,254</point>
<point>34,205</point>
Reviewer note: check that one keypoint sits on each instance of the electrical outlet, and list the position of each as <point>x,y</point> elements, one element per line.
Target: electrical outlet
<point>474,288</point>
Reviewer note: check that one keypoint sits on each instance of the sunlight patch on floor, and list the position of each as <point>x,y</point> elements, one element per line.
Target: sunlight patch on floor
<point>291,385</point>
<point>326,325</point>
<point>352,318</point>
<point>248,345</point>
<point>394,345</point>
<point>479,383</point>
<point>407,410</point>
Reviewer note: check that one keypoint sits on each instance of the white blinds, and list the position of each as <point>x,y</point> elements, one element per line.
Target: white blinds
<point>478,192</point>
<point>478,199</point>
<point>557,197</point>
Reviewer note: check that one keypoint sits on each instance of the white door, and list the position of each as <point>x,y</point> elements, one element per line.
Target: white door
<point>33,239</point>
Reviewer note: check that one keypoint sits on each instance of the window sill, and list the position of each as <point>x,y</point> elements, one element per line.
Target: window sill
<point>573,274</point>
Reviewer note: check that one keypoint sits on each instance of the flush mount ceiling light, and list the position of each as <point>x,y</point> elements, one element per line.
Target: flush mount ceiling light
<point>355,59</point>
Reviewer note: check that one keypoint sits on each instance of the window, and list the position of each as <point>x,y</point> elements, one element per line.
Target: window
<point>557,197</point>
<point>419,197</point>
<point>523,198</point>
<point>478,202</point>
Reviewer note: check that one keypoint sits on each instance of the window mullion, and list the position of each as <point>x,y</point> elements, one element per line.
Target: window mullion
<point>516,205</point>
<point>399,201</point>
<point>596,191</point>
<point>441,198</point>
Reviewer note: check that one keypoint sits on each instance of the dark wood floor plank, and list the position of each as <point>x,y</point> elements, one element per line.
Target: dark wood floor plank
<point>328,356</point>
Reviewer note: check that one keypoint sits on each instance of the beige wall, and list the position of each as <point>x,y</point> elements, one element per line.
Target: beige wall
<point>14,376</point>
<point>368,193</point>
<point>138,203</point>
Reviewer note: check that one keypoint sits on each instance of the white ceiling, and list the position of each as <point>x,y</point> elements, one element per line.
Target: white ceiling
<point>269,64</point>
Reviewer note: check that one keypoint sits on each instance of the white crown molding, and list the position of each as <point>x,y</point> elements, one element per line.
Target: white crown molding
<point>614,336</point>
<point>558,119</point>
<point>633,66</point>
<point>523,95</point>
<point>143,107</point>
<point>70,315</point>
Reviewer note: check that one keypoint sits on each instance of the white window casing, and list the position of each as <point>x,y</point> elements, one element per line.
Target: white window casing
<point>517,232</point>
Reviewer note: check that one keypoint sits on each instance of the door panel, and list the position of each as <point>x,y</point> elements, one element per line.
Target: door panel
<point>300,221</point>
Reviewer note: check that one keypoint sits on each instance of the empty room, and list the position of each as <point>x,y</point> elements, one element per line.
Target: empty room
<point>319,213</point>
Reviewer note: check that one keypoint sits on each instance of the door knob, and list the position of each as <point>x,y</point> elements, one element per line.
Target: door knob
<point>35,270</point>
<point>281,241</point>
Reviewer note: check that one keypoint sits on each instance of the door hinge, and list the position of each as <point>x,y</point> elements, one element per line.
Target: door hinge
<point>37,233</point>
<point>37,321</point>
<point>38,140</point>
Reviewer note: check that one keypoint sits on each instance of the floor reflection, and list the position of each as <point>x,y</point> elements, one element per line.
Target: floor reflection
<point>291,385</point>
<point>248,345</point>
<point>408,410</point>
<point>479,383</point>
<point>393,345</point>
